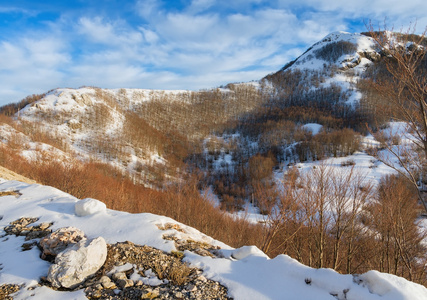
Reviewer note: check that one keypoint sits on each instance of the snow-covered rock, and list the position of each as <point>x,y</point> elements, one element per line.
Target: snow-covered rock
<point>246,251</point>
<point>75,264</point>
<point>89,206</point>
<point>59,240</point>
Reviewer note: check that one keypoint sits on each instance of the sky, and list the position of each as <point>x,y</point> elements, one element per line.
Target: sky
<point>181,44</point>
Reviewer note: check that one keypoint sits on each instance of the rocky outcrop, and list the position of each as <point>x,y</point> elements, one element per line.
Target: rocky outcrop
<point>23,227</point>
<point>59,240</point>
<point>120,271</point>
<point>371,55</point>
<point>142,272</point>
<point>78,262</point>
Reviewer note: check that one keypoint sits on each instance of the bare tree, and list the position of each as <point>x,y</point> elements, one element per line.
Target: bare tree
<point>398,239</point>
<point>404,90</point>
<point>349,192</point>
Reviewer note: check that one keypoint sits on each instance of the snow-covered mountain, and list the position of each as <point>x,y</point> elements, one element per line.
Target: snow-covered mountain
<point>345,50</point>
<point>246,272</point>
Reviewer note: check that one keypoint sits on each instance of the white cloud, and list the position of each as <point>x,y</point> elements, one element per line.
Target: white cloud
<point>205,44</point>
<point>98,30</point>
<point>30,65</point>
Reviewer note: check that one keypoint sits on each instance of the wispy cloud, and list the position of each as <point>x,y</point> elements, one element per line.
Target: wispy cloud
<point>165,45</point>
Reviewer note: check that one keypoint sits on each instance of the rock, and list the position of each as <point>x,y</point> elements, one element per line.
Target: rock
<point>111,285</point>
<point>89,206</point>
<point>59,240</point>
<point>124,283</point>
<point>191,288</point>
<point>119,276</point>
<point>78,262</point>
<point>107,283</point>
<point>45,225</point>
<point>139,283</point>
<point>104,280</point>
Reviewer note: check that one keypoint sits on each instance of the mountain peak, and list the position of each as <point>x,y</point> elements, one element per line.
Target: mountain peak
<point>342,49</point>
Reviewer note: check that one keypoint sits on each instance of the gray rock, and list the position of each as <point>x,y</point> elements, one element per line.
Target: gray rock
<point>78,262</point>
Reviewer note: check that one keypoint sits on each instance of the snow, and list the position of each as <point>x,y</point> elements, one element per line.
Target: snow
<point>89,206</point>
<point>247,272</point>
<point>310,62</point>
<point>246,251</point>
<point>257,277</point>
<point>314,128</point>
<point>366,165</point>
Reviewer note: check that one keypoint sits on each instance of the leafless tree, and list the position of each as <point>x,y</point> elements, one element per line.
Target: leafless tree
<point>404,92</point>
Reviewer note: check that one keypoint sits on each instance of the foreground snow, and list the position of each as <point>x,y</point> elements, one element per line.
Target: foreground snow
<point>247,272</point>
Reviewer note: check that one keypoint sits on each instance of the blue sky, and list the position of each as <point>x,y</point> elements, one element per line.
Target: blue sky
<point>155,44</point>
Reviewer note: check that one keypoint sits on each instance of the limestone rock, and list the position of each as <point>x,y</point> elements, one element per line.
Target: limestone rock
<point>59,240</point>
<point>78,262</point>
<point>89,206</point>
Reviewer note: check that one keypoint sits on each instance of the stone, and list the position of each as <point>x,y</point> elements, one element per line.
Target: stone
<point>104,280</point>
<point>111,285</point>
<point>119,276</point>
<point>191,288</point>
<point>78,262</point>
<point>88,207</point>
<point>59,240</point>
<point>124,283</point>
<point>139,283</point>
<point>45,225</point>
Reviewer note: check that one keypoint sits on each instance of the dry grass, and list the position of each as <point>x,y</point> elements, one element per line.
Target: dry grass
<point>9,175</point>
<point>179,274</point>
<point>9,193</point>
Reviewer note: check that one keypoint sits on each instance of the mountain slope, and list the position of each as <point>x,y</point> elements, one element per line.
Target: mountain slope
<point>345,50</point>
<point>246,272</point>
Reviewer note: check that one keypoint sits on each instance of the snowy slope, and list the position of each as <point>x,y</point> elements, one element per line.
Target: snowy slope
<point>364,47</point>
<point>340,58</point>
<point>247,272</point>
<point>90,122</point>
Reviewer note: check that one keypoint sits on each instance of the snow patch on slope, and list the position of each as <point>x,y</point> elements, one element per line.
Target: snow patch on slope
<point>363,43</point>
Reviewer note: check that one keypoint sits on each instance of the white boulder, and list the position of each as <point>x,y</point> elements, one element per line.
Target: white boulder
<point>78,262</point>
<point>89,206</point>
